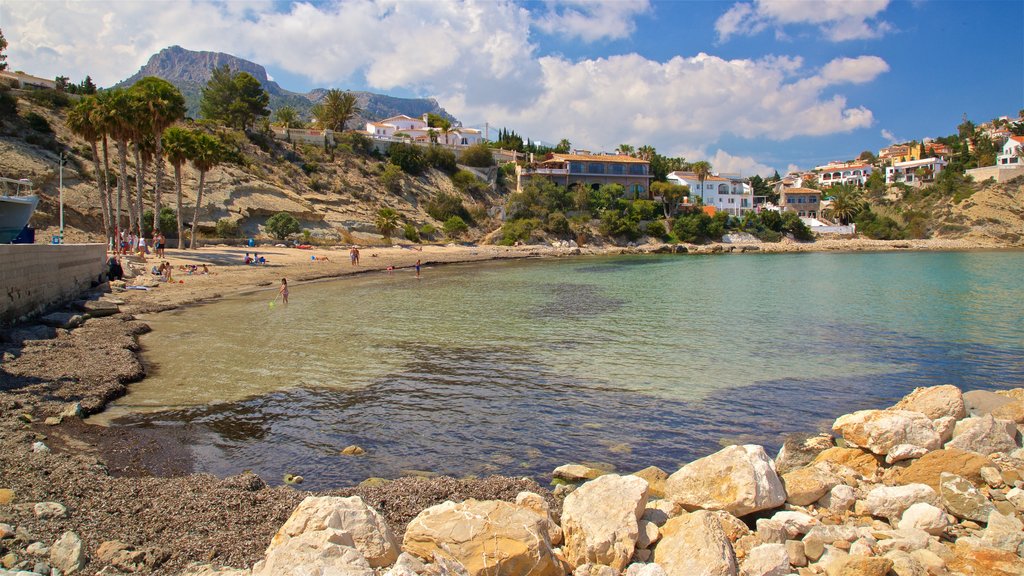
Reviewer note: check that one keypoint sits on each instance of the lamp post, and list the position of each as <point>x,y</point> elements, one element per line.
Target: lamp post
<point>61,196</point>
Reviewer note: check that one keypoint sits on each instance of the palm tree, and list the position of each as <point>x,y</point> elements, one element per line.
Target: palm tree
<point>164,105</point>
<point>82,122</point>
<point>846,203</point>
<point>701,170</point>
<point>386,222</point>
<point>103,116</point>
<point>626,149</point>
<point>207,153</point>
<point>178,146</point>
<point>645,152</point>
<point>120,115</point>
<point>336,109</point>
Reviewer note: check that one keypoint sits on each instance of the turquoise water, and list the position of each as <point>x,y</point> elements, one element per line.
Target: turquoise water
<point>517,367</point>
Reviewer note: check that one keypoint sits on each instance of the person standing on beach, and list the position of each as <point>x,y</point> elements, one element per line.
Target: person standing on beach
<point>417,268</point>
<point>283,293</point>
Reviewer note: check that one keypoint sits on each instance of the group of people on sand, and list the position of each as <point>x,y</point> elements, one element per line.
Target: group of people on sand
<point>128,242</point>
<point>166,271</point>
<point>255,259</point>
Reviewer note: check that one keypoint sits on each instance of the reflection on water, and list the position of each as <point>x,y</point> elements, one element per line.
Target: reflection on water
<point>519,367</point>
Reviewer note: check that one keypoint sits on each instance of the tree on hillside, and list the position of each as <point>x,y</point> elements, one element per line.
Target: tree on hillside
<point>3,50</point>
<point>235,100</point>
<point>563,146</point>
<point>646,152</point>
<point>120,115</point>
<point>626,149</point>
<point>103,117</point>
<point>867,156</point>
<point>287,117</point>
<point>386,222</point>
<point>178,147</point>
<point>282,225</point>
<point>206,154</point>
<point>847,202</point>
<point>82,122</point>
<point>760,187</point>
<point>436,120</point>
<point>161,105</point>
<point>662,166</point>
<point>336,109</point>
<point>701,170</point>
<point>87,86</point>
<point>671,195</point>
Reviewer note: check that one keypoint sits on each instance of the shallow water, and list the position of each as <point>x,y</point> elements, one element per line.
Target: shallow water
<point>517,367</point>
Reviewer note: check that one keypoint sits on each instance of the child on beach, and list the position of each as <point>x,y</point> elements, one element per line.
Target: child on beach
<point>417,268</point>
<point>284,290</point>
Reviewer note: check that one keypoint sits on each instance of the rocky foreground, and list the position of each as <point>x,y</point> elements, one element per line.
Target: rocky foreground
<point>933,485</point>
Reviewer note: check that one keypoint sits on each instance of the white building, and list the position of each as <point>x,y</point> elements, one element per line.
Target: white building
<point>854,174</point>
<point>915,172</point>
<point>1009,156</point>
<point>416,129</point>
<point>730,195</point>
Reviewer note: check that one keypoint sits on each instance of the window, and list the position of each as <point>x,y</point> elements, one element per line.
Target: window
<point>596,168</point>
<point>801,214</point>
<point>575,168</point>
<point>723,188</point>
<point>637,169</point>
<point>616,169</point>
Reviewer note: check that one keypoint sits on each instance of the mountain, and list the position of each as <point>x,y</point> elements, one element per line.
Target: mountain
<point>190,70</point>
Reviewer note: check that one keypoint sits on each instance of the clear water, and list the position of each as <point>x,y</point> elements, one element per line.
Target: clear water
<point>518,367</point>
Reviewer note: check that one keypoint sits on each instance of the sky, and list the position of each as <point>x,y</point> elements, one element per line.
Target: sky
<point>752,86</point>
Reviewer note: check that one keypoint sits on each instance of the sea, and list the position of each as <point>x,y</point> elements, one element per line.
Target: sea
<point>516,367</point>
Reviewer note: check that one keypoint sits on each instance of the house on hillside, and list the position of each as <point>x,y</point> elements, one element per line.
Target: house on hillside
<point>907,152</point>
<point>592,171</point>
<point>1010,156</point>
<point>417,130</point>
<point>726,194</point>
<point>914,172</point>
<point>851,173</point>
<point>24,81</point>
<point>806,202</point>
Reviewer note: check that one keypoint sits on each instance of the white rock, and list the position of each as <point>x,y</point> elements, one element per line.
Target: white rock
<point>861,547</point>
<point>890,501</point>
<point>944,428</point>
<point>40,448</point>
<point>840,499</point>
<point>906,540</point>
<point>962,499</point>
<point>766,560</point>
<point>644,570</point>
<point>904,564</point>
<point>904,452</point>
<point>327,551</point>
<point>695,545</point>
<point>930,560</point>
<point>37,549</point>
<point>737,479</point>
<point>934,402</point>
<point>795,523</point>
<point>984,435</point>
<point>538,504</point>
<point>882,430</point>
<point>649,534</point>
<point>600,520</point>
<point>45,510</point>
<point>369,531</point>
<point>923,516</point>
<point>1015,496</point>
<point>1004,532</point>
<point>67,554</point>
<point>991,476</point>
<point>594,570</point>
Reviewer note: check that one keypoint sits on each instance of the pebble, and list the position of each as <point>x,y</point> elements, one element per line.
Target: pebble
<point>6,531</point>
<point>6,496</point>
<point>37,549</point>
<point>46,510</point>
<point>40,448</point>
<point>353,450</point>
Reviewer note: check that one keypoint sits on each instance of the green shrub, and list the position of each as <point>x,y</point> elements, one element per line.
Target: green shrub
<point>282,224</point>
<point>8,105</point>
<point>878,227</point>
<point>656,229</point>
<point>518,230</point>
<point>646,209</point>
<point>49,98</point>
<point>38,123</point>
<point>557,223</point>
<point>441,158</point>
<point>455,227</point>
<point>444,206</point>
<point>427,230</point>
<point>391,177</point>
<point>168,222</point>
<point>792,224</point>
<point>310,167</point>
<point>408,157</point>
<point>410,233</point>
<point>477,156</point>
<point>465,180</point>
<point>228,228</point>
<point>697,228</point>
<point>619,222</point>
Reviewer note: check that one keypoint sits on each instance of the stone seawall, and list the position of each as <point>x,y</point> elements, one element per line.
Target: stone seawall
<point>34,277</point>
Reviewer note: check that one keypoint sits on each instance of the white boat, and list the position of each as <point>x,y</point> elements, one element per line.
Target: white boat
<point>16,207</point>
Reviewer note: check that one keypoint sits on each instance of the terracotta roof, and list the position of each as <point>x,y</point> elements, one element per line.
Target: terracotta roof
<point>402,117</point>
<point>691,176</point>
<point>598,158</point>
<point>800,191</point>
<point>1017,139</point>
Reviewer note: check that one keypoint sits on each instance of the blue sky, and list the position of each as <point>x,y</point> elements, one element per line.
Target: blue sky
<point>753,85</point>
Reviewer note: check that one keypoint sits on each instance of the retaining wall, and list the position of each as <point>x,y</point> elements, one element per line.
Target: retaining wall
<point>999,173</point>
<point>35,277</point>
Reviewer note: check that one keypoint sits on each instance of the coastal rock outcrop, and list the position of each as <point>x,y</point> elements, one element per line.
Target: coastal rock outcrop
<point>737,479</point>
<point>327,551</point>
<point>368,531</point>
<point>882,430</point>
<point>890,501</point>
<point>600,520</point>
<point>984,435</point>
<point>487,537</point>
<point>934,402</point>
<point>695,545</point>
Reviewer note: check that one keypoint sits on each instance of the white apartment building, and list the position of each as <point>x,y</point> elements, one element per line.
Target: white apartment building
<point>416,129</point>
<point>730,195</point>
<point>855,174</point>
<point>915,172</point>
<point>1009,156</point>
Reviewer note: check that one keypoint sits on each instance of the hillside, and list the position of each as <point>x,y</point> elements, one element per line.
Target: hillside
<point>335,197</point>
<point>190,70</point>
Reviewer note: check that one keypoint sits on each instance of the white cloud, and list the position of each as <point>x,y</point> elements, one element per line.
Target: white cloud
<point>723,162</point>
<point>890,137</point>
<point>477,58</point>
<point>837,20</point>
<point>592,20</point>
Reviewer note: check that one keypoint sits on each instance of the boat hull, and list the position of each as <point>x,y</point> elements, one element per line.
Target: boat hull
<point>15,212</point>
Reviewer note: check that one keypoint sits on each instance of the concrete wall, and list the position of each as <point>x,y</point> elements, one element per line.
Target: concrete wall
<point>34,277</point>
<point>999,173</point>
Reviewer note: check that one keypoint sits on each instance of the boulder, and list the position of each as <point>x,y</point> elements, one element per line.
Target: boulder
<point>839,499</point>
<point>982,402</point>
<point>860,461</point>
<point>890,501</point>
<point>962,499</point>
<point>656,478</point>
<point>934,402</point>
<point>969,558</point>
<point>928,468</point>
<point>733,527</point>
<point>794,523</point>
<point>600,520</point>
<point>1015,496</point>
<point>576,473</point>
<point>903,564</point>
<point>924,516</point>
<point>737,479</point>
<point>67,554</point>
<point>944,428</point>
<point>594,570</point>
<point>1004,531</point>
<point>805,486</point>
<point>1011,411</point>
<point>66,320</point>
<point>327,551</point>
<point>644,570</point>
<point>905,452</point>
<point>694,545</point>
<point>538,504</point>
<point>100,308</point>
<point>881,430</point>
<point>799,450</point>
<point>649,534</point>
<point>766,560</point>
<point>859,566</point>
<point>984,435</point>
<point>370,534</point>
<point>488,537</point>
<point>46,510</point>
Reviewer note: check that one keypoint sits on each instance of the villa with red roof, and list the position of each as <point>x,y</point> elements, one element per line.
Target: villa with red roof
<point>592,171</point>
<point>417,130</point>
<point>1011,154</point>
<point>730,195</point>
<point>852,173</point>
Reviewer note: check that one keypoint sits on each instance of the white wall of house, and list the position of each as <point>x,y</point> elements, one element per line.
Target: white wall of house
<point>853,175</point>
<point>906,172</point>
<point>732,196</point>
<point>1009,157</point>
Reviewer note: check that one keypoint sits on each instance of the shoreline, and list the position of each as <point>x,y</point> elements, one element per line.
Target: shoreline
<point>113,469</point>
